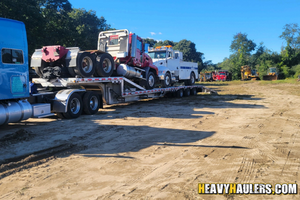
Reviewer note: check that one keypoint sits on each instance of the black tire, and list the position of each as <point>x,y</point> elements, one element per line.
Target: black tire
<point>192,79</point>
<point>105,65</point>
<point>74,107</point>
<point>194,91</point>
<point>187,92</point>
<point>60,115</point>
<point>71,71</point>
<point>179,93</point>
<point>86,64</point>
<point>150,81</point>
<point>167,82</point>
<point>90,103</point>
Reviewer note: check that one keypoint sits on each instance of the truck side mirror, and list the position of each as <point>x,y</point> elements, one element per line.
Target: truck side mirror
<point>146,46</point>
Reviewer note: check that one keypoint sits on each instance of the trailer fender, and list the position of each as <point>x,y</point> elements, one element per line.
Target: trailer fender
<point>61,99</point>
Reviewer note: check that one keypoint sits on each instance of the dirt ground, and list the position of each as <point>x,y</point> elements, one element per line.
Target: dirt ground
<point>158,149</point>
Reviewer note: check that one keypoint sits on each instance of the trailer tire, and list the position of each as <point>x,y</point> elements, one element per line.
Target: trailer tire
<point>150,82</point>
<point>179,93</point>
<point>86,64</point>
<point>74,107</point>
<point>105,65</point>
<point>91,103</point>
<point>167,82</point>
<point>194,91</point>
<point>187,92</point>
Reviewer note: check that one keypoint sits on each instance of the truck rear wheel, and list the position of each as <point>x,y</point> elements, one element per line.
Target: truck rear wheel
<point>192,79</point>
<point>74,107</point>
<point>86,65</point>
<point>150,82</point>
<point>105,65</point>
<point>91,103</point>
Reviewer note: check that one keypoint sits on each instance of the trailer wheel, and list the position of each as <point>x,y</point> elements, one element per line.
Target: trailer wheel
<point>105,65</point>
<point>194,91</point>
<point>86,65</point>
<point>90,103</point>
<point>191,81</point>
<point>150,82</point>
<point>187,92</point>
<point>179,93</point>
<point>167,82</point>
<point>74,107</point>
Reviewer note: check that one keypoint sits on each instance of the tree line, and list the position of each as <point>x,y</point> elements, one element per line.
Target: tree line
<point>259,57</point>
<point>53,22</point>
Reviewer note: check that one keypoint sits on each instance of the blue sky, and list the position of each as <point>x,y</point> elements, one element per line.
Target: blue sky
<point>210,24</point>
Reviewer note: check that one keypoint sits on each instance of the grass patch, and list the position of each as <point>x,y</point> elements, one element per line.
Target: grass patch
<point>290,81</point>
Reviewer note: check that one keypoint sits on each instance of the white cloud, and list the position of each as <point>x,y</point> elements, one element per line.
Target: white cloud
<point>152,33</point>
<point>159,33</point>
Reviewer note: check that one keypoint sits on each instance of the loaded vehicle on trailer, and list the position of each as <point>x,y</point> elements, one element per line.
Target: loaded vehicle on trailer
<point>119,52</point>
<point>272,74</point>
<point>171,67</point>
<point>67,97</point>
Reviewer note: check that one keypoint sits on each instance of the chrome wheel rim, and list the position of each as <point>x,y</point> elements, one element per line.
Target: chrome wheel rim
<point>107,66</point>
<point>168,80</point>
<point>87,64</point>
<point>94,103</point>
<point>75,106</point>
<point>151,81</point>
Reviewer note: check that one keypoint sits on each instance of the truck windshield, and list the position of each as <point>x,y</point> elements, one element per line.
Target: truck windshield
<point>158,54</point>
<point>222,73</point>
<point>272,70</point>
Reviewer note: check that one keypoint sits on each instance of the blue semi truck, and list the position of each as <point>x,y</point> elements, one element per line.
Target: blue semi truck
<point>20,99</point>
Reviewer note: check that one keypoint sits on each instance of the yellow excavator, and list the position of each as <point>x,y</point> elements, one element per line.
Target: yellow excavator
<point>249,74</point>
<point>272,74</point>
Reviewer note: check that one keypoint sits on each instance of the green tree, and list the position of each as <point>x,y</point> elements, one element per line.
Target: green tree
<point>291,35</point>
<point>150,41</point>
<point>27,11</point>
<point>85,27</point>
<point>241,47</point>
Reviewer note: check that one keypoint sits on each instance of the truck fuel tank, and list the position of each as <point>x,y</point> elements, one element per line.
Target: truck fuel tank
<point>15,111</point>
<point>128,71</point>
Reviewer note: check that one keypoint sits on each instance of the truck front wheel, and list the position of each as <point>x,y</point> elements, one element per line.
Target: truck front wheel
<point>74,107</point>
<point>150,82</point>
<point>167,81</point>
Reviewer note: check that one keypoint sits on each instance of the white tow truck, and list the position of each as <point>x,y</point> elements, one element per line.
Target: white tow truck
<point>171,67</point>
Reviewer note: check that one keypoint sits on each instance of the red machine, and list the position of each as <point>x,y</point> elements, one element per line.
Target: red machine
<point>223,75</point>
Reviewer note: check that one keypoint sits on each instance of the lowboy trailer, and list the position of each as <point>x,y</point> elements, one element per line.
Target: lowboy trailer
<point>21,99</point>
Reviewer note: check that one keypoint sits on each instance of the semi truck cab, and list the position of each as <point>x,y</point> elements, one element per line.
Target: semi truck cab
<point>14,75</point>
